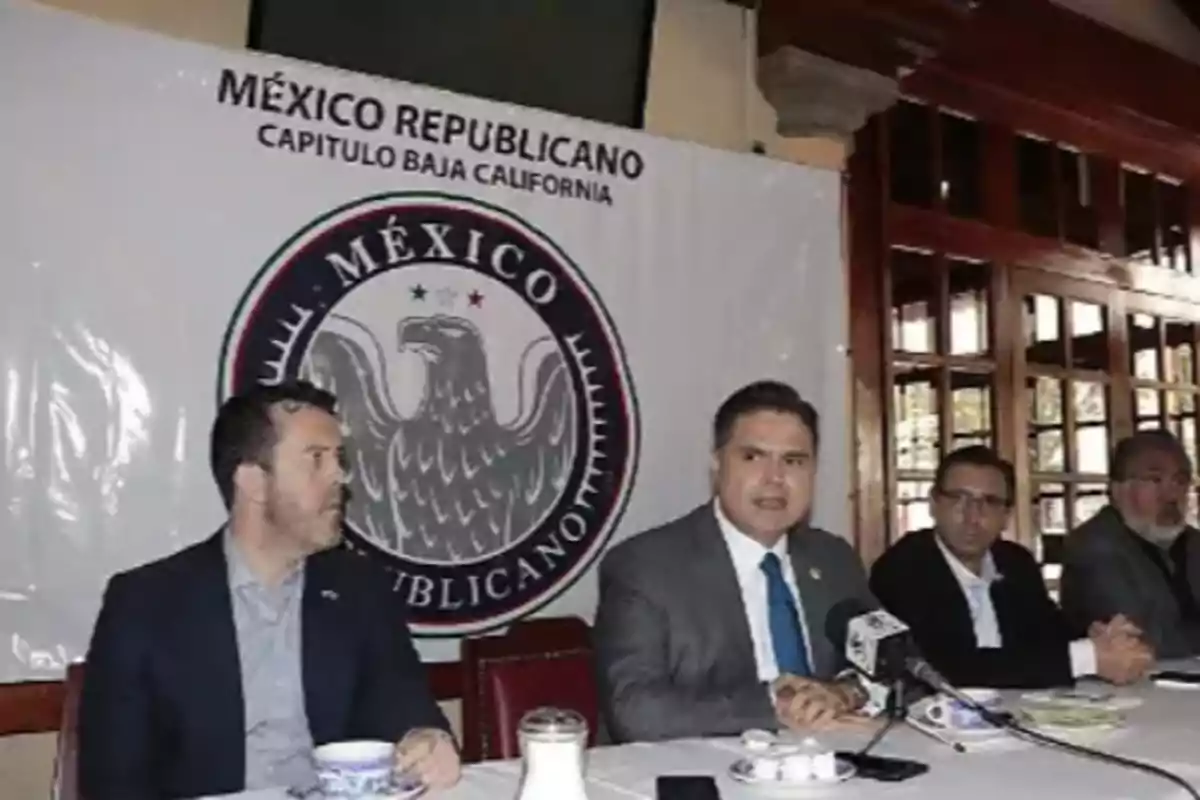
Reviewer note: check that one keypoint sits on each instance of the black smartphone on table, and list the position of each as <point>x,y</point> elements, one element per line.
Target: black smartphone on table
<point>686,787</point>
<point>879,768</point>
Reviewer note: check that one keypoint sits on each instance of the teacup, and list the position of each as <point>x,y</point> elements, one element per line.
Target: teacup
<point>355,770</point>
<point>947,712</point>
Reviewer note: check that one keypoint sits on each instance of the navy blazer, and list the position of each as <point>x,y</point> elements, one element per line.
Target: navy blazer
<point>914,582</point>
<point>161,712</point>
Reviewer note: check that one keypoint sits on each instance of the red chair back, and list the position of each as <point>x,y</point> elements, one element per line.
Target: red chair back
<point>540,662</point>
<point>66,760</point>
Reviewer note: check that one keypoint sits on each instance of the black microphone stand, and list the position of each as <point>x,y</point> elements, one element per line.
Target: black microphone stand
<point>1008,721</point>
<point>895,710</point>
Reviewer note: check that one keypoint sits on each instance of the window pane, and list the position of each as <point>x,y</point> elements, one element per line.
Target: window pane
<point>1181,419</point>
<point>1089,499</point>
<point>970,408</point>
<point>970,283</point>
<point>916,288</point>
<point>962,166</point>
<point>1175,230</point>
<point>1147,409</point>
<point>918,428</point>
<point>1046,425</point>
<point>1091,427</point>
<point>1079,212</point>
<point>1179,359</point>
<point>910,131</point>
<point>1141,223</point>
<point>1089,336</point>
<point>1044,343</point>
<point>912,506</point>
<point>1050,512</point>
<point>1035,186</point>
<point>1049,525</point>
<point>1143,347</point>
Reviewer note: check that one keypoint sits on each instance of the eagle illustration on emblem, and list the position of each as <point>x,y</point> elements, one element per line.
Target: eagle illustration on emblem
<point>452,482</point>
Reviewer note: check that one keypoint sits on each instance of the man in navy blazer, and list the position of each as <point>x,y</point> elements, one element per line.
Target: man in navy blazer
<point>218,669</point>
<point>977,604</point>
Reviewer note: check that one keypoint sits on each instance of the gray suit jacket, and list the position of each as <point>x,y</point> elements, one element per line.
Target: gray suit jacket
<point>1106,573</point>
<point>673,648</point>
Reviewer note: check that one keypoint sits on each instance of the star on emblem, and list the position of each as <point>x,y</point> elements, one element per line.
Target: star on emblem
<point>446,296</point>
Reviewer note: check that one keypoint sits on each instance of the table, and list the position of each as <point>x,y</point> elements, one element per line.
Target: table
<point>1164,730</point>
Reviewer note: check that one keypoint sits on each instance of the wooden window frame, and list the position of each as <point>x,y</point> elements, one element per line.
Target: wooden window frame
<point>877,225</point>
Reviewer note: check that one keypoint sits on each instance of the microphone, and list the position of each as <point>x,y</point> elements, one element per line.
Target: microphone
<point>877,644</point>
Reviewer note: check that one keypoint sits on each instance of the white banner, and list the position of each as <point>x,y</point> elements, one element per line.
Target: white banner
<point>529,319</point>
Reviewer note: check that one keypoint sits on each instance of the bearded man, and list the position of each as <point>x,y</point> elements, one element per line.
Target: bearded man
<point>1138,557</point>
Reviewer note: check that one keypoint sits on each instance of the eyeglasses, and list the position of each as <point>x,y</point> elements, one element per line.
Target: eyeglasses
<point>1178,479</point>
<point>961,498</point>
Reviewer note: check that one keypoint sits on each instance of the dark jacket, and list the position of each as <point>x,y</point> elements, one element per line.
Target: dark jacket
<point>1109,570</point>
<point>914,582</point>
<point>161,712</point>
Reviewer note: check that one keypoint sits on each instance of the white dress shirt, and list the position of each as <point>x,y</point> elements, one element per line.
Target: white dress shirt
<point>747,555</point>
<point>978,591</point>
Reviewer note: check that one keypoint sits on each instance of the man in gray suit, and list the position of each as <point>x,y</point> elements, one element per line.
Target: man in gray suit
<point>1137,557</point>
<point>715,623</point>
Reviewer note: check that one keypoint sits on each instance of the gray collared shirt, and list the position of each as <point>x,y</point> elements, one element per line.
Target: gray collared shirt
<point>267,619</point>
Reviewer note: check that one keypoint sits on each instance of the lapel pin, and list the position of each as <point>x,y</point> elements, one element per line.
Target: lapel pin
<point>329,594</point>
<point>815,573</point>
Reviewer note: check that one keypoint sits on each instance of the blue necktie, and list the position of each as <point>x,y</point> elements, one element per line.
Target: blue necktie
<point>787,637</point>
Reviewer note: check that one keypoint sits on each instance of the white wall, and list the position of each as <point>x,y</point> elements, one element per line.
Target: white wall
<point>701,84</point>
<point>221,22</point>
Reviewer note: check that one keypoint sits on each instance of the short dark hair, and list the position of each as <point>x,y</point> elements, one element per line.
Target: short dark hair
<point>244,432</point>
<point>1151,440</point>
<point>977,455</point>
<point>764,396</point>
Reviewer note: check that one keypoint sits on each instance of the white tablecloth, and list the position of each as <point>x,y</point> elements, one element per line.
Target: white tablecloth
<point>1164,730</point>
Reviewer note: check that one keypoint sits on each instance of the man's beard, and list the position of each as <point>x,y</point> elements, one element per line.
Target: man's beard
<point>1161,532</point>
<point>299,527</point>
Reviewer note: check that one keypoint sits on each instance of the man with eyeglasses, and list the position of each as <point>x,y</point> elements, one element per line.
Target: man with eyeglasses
<point>1138,556</point>
<point>977,605</point>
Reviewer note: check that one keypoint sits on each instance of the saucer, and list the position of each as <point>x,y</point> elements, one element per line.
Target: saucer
<point>742,771</point>
<point>919,716</point>
<point>401,789</point>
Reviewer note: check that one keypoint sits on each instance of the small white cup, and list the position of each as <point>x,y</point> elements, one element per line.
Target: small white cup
<point>354,770</point>
<point>758,741</point>
<point>950,713</point>
<point>765,769</point>
<point>797,768</point>
<point>824,767</point>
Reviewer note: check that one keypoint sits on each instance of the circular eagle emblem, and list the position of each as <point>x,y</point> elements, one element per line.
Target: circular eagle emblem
<point>491,426</point>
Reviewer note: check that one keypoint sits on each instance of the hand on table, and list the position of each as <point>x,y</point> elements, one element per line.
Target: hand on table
<point>803,703</point>
<point>429,754</point>
<point>1122,656</point>
<point>1118,626</point>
